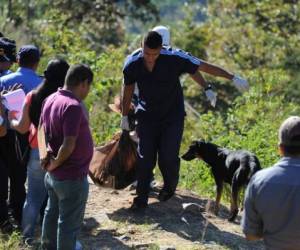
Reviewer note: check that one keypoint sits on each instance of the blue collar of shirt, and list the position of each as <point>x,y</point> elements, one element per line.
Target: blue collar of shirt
<point>26,70</point>
<point>290,161</point>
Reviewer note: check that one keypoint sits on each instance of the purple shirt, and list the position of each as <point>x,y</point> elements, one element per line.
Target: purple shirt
<point>62,116</point>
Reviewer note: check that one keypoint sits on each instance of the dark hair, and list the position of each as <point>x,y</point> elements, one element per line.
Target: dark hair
<point>77,74</point>
<point>291,150</point>
<point>28,55</point>
<point>54,78</point>
<point>294,149</point>
<point>153,40</point>
<point>1,34</point>
<point>28,61</point>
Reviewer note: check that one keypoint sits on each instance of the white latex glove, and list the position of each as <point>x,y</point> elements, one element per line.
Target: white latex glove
<point>124,123</point>
<point>240,83</point>
<point>211,96</point>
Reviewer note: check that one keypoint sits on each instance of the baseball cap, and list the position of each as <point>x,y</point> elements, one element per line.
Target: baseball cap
<point>28,53</point>
<point>289,132</point>
<point>7,50</point>
<point>164,32</point>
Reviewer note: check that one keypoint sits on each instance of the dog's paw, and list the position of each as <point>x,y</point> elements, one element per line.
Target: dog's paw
<point>233,215</point>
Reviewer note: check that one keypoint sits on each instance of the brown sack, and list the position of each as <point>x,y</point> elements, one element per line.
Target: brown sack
<point>113,165</point>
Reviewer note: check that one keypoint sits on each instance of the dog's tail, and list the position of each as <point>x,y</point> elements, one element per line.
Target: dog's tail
<point>254,166</point>
<point>247,170</point>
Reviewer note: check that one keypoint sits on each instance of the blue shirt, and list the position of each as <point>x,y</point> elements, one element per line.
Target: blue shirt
<point>160,91</point>
<point>27,77</point>
<point>5,72</point>
<point>272,205</point>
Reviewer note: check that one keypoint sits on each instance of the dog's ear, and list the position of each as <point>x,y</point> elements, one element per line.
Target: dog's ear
<point>195,142</point>
<point>200,141</point>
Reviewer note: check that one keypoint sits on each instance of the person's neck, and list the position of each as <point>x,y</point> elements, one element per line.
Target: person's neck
<point>292,156</point>
<point>149,66</point>
<point>30,68</point>
<point>74,91</point>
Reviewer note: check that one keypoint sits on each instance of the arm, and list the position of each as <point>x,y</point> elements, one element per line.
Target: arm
<point>198,78</point>
<point>23,124</point>
<point>252,223</point>
<point>2,126</point>
<point>253,237</point>
<point>127,93</point>
<point>71,126</point>
<point>2,130</point>
<point>210,94</point>
<point>63,154</point>
<point>214,70</point>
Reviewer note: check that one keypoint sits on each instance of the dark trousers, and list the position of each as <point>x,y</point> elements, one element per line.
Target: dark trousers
<point>158,141</point>
<point>16,172</point>
<point>3,191</point>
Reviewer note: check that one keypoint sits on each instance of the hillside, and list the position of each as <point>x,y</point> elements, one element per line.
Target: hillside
<point>109,224</point>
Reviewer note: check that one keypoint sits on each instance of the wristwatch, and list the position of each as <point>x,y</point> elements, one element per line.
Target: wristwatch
<point>208,87</point>
<point>1,120</point>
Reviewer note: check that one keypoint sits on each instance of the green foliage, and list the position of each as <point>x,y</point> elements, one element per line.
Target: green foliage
<point>11,242</point>
<point>256,39</point>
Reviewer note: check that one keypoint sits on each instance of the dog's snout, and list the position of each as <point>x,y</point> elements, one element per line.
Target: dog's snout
<point>188,156</point>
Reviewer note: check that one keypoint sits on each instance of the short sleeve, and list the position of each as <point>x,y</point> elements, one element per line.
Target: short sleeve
<point>251,221</point>
<point>72,120</point>
<point>187,62</point>
<point>128,74</point>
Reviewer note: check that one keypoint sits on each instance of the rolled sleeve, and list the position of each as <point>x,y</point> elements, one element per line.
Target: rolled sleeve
<point>71,120</point>
<point>251,221</point>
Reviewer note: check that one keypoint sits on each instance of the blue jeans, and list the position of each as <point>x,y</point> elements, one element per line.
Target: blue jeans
<point>64,212</point>
<point>36,194</point>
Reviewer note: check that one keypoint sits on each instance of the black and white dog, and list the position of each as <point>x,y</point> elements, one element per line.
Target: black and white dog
<point>233,167</point>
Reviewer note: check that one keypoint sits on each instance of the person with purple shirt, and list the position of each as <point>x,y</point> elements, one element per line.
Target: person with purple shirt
<point>70,144</point>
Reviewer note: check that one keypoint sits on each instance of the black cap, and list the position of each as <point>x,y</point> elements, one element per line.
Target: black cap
<point>28,54</point>
<point>7,50</point>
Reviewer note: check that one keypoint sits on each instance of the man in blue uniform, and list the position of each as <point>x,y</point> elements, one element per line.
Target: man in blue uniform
<point>7,55</point>
<point>28,59</point>
<point>156,70</point>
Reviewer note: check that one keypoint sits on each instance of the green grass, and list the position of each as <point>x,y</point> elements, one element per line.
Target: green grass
<point>11,242</point>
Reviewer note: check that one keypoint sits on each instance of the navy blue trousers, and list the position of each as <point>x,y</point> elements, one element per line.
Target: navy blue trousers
<point>159,141</point>
<point>3,191</point>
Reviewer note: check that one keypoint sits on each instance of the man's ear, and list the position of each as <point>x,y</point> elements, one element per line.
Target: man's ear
<point>281,150</point>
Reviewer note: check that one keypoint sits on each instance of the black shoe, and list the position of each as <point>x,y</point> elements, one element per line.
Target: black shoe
<point>138,206</point>
<point>164,195</point>
<point>6,227</point>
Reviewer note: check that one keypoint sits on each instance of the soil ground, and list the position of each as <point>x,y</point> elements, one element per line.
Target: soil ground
<point>109,224</point>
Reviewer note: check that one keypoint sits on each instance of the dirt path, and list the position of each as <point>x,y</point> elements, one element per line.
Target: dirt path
<point>109,224</point>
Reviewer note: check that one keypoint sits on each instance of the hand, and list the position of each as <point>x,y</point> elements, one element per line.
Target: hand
<point>12,115</point>
<point>211,96</point>
<point>124,123</point>
<point>240,83</point>
<point>14,87</point>
<point>11,88</point>
<point>48,163</point>
<point>51,165</point>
